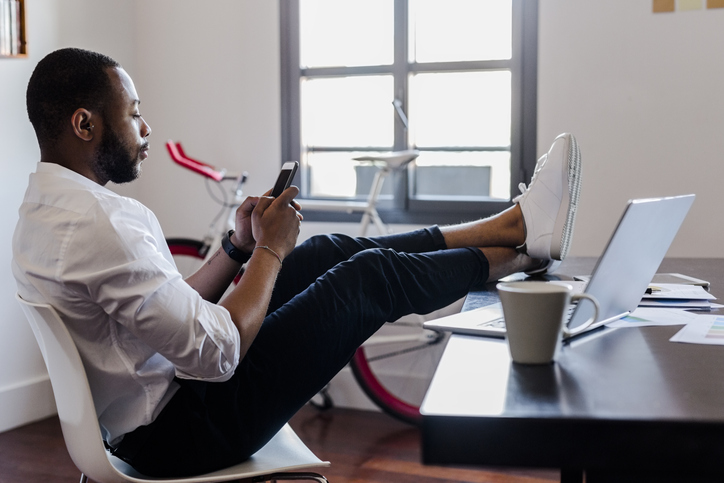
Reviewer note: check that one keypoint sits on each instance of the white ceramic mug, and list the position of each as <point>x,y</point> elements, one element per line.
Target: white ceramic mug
<point>534,318</point>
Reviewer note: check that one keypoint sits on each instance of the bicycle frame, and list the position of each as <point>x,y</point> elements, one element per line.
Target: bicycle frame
<point>225,221</point>
<point>417,338</point>
<point>387,163</point>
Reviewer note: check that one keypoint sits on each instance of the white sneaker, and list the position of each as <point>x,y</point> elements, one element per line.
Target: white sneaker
<point>550,201</point>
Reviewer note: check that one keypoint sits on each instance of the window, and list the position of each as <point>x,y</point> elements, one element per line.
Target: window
<point>454,79</point>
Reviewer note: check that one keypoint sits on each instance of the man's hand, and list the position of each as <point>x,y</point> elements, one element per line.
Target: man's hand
<point>262,221</point>
<point>243,237</point>
<point>276,222</point>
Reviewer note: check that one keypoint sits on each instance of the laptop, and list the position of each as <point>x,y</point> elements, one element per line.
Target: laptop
<point>619,281</point>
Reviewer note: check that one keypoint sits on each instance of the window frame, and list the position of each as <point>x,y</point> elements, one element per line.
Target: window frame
<point>403,209</point>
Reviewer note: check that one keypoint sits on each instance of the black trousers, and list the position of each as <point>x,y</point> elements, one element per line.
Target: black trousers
<point>332,293</point>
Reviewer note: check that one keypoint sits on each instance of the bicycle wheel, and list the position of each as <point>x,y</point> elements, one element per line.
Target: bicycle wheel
<point>187,253</point>
<point>395,366</point>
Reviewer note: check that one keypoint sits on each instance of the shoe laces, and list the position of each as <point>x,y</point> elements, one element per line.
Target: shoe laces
<point>522,187</point>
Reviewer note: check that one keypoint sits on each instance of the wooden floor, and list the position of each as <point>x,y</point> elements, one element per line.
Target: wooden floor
<point>363,446</point>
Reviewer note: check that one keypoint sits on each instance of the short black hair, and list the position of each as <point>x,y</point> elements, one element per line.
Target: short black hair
<point>64,81</point>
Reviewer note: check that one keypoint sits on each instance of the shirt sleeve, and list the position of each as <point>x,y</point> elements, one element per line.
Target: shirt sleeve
<point>123,264</point>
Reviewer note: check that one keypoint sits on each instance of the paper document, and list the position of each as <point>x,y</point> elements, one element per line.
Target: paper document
<point>678,291</point>
<point>677,278</point>
<point>680,296</point>
<point>676,304</point>
<point>646,317</point>
<point>705,329</point>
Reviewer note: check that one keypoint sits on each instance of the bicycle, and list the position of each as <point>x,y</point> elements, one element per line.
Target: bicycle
<point>404,345</point>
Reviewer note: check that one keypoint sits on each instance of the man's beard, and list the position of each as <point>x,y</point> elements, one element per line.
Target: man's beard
<point>115,161</point>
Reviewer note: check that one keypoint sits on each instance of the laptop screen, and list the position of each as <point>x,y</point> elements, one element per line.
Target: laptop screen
<point>633,255</point>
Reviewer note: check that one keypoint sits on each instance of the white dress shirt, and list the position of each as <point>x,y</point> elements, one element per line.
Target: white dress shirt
<point>101,260</point>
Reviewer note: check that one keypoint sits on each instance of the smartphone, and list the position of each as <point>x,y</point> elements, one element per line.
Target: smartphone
<point>286,175</point>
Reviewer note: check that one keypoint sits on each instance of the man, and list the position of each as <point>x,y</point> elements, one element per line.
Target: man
<point>183,381</point>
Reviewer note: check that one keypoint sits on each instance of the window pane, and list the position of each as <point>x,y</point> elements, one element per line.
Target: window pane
<point>337,175</point>
<point>336,33</point>
<point>455,175</point>
<point>347,112</point>
<point>457,30</point>
<point>460,109</point>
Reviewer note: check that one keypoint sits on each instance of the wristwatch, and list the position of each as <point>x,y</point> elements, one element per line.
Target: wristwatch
<point>233,252</point>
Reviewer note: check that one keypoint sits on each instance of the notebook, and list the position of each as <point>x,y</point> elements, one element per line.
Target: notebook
<point>623,272</point>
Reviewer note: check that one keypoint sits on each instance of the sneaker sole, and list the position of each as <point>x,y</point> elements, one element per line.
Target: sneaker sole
<point>563,227</point>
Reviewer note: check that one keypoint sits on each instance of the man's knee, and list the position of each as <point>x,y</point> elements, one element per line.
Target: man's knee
<point>375,262</point>
<point>325,242</point>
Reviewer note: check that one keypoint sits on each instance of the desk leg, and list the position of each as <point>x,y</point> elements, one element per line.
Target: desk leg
<point>569,475</point>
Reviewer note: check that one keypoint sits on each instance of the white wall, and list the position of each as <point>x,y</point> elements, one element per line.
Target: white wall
<point>641,92</point>
<point>208,77</point>
<point>22,375</point>
<point>103,25</point>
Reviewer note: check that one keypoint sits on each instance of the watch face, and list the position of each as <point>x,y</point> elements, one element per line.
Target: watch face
<point>229,247</point>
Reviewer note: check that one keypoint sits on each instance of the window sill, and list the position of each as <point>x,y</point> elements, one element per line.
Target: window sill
<point>456,213</point>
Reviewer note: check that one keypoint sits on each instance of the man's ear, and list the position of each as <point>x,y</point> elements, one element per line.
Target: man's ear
<point>83,124</point>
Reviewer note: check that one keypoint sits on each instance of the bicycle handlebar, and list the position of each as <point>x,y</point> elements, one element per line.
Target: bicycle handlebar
<point>178,155</point>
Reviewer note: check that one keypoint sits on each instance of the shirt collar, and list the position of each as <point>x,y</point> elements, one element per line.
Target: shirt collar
<point>53,169</point>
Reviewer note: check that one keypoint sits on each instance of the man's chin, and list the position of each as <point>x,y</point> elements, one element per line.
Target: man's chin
<point>136,175</point>
<point>128,178</point>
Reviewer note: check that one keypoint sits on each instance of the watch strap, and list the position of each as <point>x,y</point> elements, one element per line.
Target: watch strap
<point>231,250</point>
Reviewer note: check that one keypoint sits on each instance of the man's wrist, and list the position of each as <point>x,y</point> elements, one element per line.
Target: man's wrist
<point>234,253</point>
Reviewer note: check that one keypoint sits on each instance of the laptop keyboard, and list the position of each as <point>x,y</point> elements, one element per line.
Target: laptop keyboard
<point>500,322</point>
<point>496,324</point>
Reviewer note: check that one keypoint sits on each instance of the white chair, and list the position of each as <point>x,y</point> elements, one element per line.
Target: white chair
<point>285,453</point>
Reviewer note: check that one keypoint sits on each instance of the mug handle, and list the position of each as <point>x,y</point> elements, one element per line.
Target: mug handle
<point>587,323</point>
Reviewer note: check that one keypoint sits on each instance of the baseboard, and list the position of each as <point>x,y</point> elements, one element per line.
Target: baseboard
<point>25,403</point>
<point>32,401</point>
<point>346,393</point>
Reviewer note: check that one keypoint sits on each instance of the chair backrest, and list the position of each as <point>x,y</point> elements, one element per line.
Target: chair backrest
<point>82,434</point>
<point>78,419</point>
